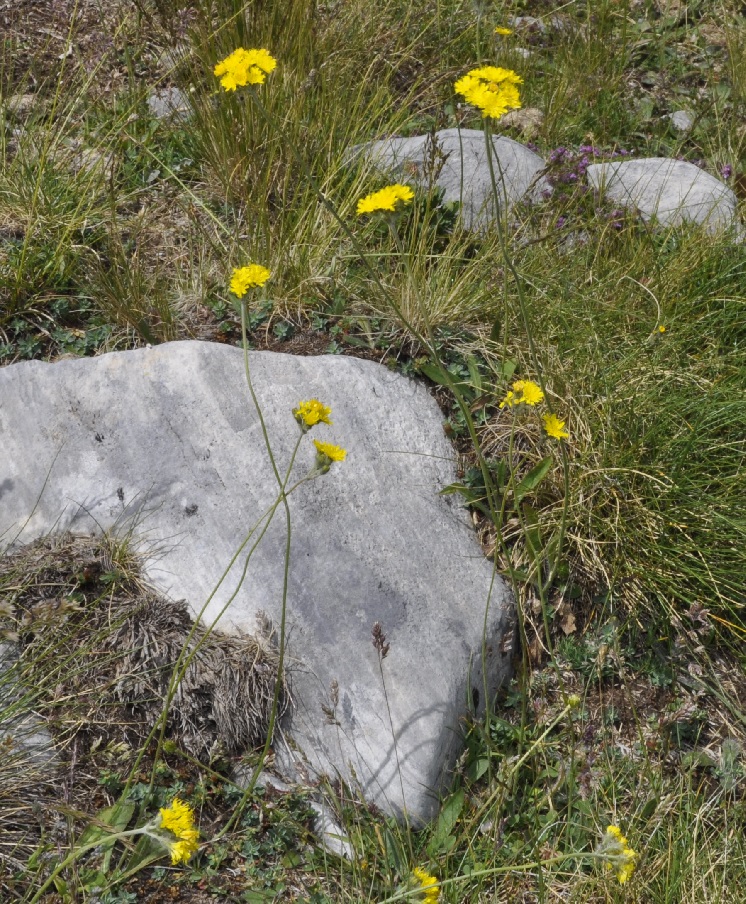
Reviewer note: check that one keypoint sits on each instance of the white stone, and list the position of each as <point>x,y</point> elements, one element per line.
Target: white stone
<point>24,736</point>
<point>169,103</point>
<point>670,191</point>
<point>164,442</point>
<point>681,120</point>
<point>461,169</point>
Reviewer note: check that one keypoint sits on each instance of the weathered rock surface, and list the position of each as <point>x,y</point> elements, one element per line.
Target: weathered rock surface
<point>24,736</point>
<point>671,191</point>
<point>164,442</point>
<point>457,163</point>
<point>169,103</point>
<point>682,120</point>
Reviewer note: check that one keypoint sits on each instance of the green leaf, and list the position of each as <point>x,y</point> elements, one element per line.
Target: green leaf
<point>475,374</point>
<point>443,840</point>
<point>395,853</point>
<point>436,373</point>
<point>650,807</point>
<point>533,478</point>
<point>108,822</point>
<point>478,767</point>
<point>531,518</point>
<point>509,368</point>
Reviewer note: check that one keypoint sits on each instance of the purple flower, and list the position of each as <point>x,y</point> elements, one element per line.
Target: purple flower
<point>727,171</point>
<point>560,222</point>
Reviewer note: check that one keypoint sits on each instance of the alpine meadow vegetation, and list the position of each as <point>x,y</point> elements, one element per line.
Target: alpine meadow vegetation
<point>591,369</point>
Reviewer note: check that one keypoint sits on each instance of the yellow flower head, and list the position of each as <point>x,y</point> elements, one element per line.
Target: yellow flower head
<point>661,329</point>
<point>181,851</point>
<point>245,278</point>
<point>500,30</point>
<point>428,886</point>
<point>385,199</point>
<point>244,67</point>
<point>617,853</point>
<point>555,427</point>
<point>327,450</point>
<point>524,392</point>
<point>178,819</point>
<point>491,89</point>
<point>310,413</point>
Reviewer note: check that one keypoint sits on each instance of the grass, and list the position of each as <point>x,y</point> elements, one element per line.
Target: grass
<point>118,229</point>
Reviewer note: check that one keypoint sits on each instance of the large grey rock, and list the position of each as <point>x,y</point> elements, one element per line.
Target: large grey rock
<point>458,164</point>
<point>164,442</point>
<point>671,191</point>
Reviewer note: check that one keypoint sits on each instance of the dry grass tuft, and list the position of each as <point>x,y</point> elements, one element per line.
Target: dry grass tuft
<point>88,654</point>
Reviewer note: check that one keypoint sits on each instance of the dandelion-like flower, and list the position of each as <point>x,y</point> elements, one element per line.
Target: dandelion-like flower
<point>386,199</point>
<point>524,392</point>
<point>491,89</point>
<point>501,30</point>
<point>555,427</point>
<point>244,67</point>
<point>661,329</point>
<point>310,413</point>
<point>333,453</point>
<point>178,819</point>
<point>245,278</point>
<point>616,852</point>
<point>428,885</point>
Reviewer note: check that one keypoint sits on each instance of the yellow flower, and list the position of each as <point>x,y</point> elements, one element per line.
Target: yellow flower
<point>245,278</point>
<point>555,427</point>
<point>181,851</point>
<point>617,853</point>
<point>310,413</point>
<point>524,392</point>
<point>327,450</point>
<point>385,199</point>
<point>500,30</point>
<point>661,329</point>
<point>491,89</point>
<point>179,820</point>
<point>428,885</point>
<point>244,67</point>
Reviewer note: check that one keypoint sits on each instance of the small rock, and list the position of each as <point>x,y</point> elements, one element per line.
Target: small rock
<point>24,735</point>
<point>458,165</point>
<point>671,191</point>
<point>90,160</point>
<point>169,103</point>
<point>527,23</point>
<point>681,120</point>
<point>22,105</point>
<point>528,119</point>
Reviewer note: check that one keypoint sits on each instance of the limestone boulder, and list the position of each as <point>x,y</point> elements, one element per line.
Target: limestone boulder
<point>456,161</point>
<point>164,445</point>
<point>672,192</point>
